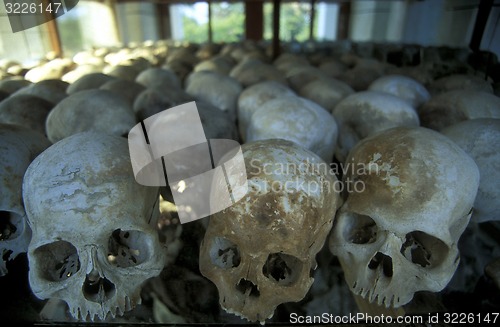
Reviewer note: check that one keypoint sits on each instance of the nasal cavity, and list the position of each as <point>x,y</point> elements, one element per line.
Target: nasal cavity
<point>384,261</point>
<point>248,288</point>
<point>98,289</point>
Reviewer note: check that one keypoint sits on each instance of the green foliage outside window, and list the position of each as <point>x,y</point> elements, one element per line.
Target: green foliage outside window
<point>227,24</point>
<point>295,20</point>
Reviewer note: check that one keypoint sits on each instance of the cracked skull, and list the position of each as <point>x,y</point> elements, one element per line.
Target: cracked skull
<point>93,239</point>
<point>399,234</point>
<point>260,251</point>
<point>18,147</point>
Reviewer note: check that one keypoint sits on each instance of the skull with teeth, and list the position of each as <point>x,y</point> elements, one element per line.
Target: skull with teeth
<point>18,147</point>
<point>398,235</point>
<point>93,239</point>
<point>260,251</point>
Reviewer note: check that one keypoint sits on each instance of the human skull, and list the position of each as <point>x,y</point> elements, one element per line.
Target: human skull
<point>52,90</point>
<point>295,119</point>
<point>25,110</point>
<point>480,139</point>
<point>94,241</point>
<point>301,75</point>
<point>219,64</point>
<point>450,108</point>
<point>288,61</point>
<point>363,74</point>
<point>253,97</point>
<point>219,90</point>
<point>327,92</point>
<point>80,71</point>
<point>460,82</point>
<point>252,71</point>
<point>397,231</point>
<point>18,147</point>
<point>53,69</point>
<point>88,58</point>
<point>90,110</point>
<point>332,67</point>
<point>260,251</point>
<point>13,84</point>
<point>401,86</point>
<point>159,78</point>
<point>126,72</point>
<point>89,82</point>
<point>125,89</point>
<point>365,113</point>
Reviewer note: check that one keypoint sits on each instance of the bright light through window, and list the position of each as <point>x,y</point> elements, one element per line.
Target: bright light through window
<point>88,24</point>
<point>228,22</point>
<point>190,22</point>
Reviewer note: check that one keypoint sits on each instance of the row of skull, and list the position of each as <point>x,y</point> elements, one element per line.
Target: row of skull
<point>93,246</point>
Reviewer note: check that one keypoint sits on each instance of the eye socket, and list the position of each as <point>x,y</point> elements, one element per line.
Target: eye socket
<point>284,269</point>
<point>224,253</point>
<point>57,261</point>
<point>360,229</point>
<point>9,225</point>
<point>127,248</point>
<point>423,249</point>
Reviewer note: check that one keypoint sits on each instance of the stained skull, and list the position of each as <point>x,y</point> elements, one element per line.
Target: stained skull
<point>260,251</point>
<point>398,235</point>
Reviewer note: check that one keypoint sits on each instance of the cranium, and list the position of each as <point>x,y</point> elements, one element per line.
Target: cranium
<point>397,232</point>
<point>52,90</point>
<point>125,89</point>
<point>219,90</point>
<point>364,113</point>
<point>219,64</point>
<point>253,97</point>
<point>252,71</point>
<point>363,74</point>
<point>89,82</point>
<point>126,72</point>
<point>94,241</point>
<point>90,110</point>
<point>403,87</point>
<point>53,69</point>
<point>260,251</point>
<point>25,110</point>
<point>18,147</point>
<point>460,82</point>
<point>159,78</point>
<point>13,84</point>
<point>480,139</point>
<point>452,107</point>
<point>327,92</point>
<point>295,119</point>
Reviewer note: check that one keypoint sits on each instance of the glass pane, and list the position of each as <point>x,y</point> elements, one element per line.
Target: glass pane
<point>228,22</point>
<point>295,20</point>
<point>88,24</point>
<point>190,22</point>
<point>25,46</point>
<point>137,21</point>
<point>326,21</point>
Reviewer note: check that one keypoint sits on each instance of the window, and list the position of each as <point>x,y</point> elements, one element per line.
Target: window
<point>295,19</point>
<point>88,24</point>
<point>228,22</point>
<point>26,46</point>
<point>189,22</point>
<point>137,21</point>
